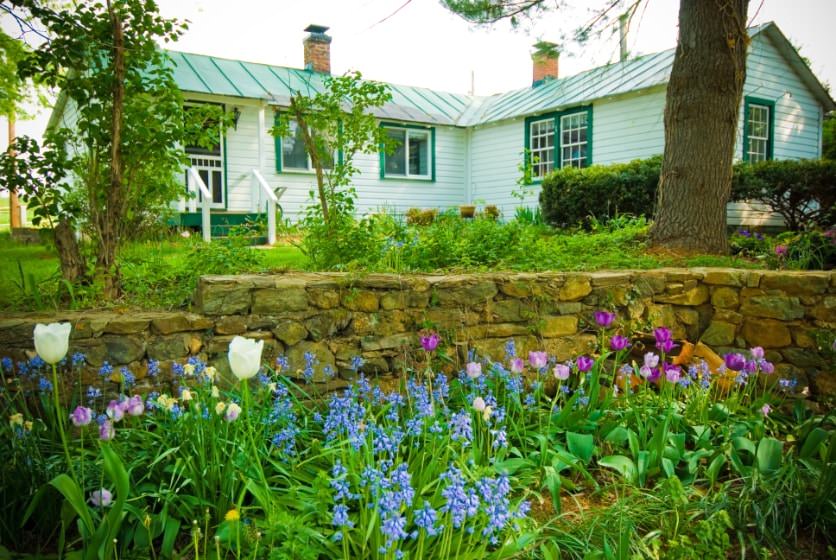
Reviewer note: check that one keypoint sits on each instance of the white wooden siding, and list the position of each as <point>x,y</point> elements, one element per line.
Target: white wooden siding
<point>629,127</point>
<point>496,155</point>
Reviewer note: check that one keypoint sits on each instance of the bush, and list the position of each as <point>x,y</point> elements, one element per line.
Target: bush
<point>803,192</point>
<point>572,196</point>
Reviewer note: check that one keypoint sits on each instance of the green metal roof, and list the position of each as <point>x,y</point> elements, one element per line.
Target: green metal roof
<point>219,76</point>
<point>208,74</point>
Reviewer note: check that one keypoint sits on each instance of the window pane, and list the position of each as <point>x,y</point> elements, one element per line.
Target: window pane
<point>419,150</point>
<point>541,146</point>
<point>294,155</point>
<point>574,136</point>
<point>204,176</point>
<point>396,162</point>
<point>217,188</point>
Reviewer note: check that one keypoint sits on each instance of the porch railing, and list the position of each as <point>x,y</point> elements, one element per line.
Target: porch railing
<point>195,184</point>
<point>262,194</point>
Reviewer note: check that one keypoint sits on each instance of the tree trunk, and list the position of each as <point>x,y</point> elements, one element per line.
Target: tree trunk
<point>316,162</point>
<point>14,202</point>
<point>701,114</point>
<point>72,265</point>
<point>110,223</point>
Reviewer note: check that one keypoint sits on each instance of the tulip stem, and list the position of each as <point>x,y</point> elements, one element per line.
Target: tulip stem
<point>59,416</point>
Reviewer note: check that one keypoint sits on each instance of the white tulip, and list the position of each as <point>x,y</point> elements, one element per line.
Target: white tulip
<point>245,357</point>
<point>52,341</point>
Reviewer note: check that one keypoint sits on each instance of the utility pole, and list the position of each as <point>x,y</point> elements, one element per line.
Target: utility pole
<point>14,203</point>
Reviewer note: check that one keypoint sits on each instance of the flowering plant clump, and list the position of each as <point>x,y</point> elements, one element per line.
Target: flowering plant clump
<point>436,467</point>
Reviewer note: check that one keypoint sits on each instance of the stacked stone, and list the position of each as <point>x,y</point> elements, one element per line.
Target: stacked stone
<point>339,316</point>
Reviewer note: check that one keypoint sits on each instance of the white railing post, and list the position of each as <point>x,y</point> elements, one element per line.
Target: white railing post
<point>272,201</point>
<point>205,218</point>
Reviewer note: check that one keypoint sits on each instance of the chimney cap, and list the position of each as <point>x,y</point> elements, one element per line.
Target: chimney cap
<point>317,29</point>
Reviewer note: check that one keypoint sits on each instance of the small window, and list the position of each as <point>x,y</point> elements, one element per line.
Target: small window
<point>757,130</point>
<point>412,155</point>
<point>294,154</point>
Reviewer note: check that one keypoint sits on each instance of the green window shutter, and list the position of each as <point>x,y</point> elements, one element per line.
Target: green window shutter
<point>278,143</point>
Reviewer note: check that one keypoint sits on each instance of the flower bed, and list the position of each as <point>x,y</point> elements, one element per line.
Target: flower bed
<point>472,466</point>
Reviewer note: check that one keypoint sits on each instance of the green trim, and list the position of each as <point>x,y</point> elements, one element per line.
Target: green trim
<point>392,124</point>
<point>278,141</point>
<point>556,116</point>
<point>770,142</point>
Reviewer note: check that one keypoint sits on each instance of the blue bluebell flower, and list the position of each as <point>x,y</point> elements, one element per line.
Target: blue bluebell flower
<point>461,428</point>
<point>106,370</point>
<point>426,518</point>
<point>78,359</point>
<point>7,364</point>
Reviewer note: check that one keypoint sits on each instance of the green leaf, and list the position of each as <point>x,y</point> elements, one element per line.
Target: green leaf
<point>743,444</point>
<point>769,457</point>
<point>812,443</point>
<point>621,464</point>
<point>75,497</point>
<point>668,468</point>
<point>714,468</point>
<point>581,445</point>
<point>617,435</point>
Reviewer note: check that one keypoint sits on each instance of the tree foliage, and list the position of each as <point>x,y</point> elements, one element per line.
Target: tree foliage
<point>11,90</point>
<point>123,125</point>
<point>337,124</point>
<point>828,150</point>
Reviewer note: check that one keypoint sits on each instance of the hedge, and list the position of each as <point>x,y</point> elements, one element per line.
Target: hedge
<point>571,196</point>
<point>802,191</point>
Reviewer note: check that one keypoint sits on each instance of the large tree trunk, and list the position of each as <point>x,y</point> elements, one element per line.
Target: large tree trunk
<point>110,223</point>
<point>701,115</point>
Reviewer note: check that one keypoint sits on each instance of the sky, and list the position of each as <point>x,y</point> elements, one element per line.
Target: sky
<point>420,43</point>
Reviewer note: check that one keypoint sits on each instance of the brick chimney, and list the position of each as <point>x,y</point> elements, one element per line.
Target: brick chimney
<point>545,57</point>
<point>317,49</point>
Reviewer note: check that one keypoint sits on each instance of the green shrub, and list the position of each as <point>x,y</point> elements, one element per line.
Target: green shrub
<point>803,192</point>
<point>572,196</point>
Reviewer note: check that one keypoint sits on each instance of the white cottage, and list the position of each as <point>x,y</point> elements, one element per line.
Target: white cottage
<point>457,149</point>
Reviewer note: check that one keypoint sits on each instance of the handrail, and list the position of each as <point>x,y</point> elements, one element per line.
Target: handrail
<point>206,220</point>
<point>272,201</point>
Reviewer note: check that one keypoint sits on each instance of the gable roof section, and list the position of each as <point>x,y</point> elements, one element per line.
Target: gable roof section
<point>199,73</point>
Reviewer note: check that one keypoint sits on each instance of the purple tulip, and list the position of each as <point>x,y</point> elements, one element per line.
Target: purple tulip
<point>561,372</point>
<point>604,318</point>
<point>667,346</point>
<point>115,410</point>
<point>651,360</point>
<point>781,250</point>
<point>757,353</point>
<point>81,416</point>
<point>735,362</point>
<point>538,360</point>
<point>767,368</point>
<point>473,369</point>
<point>101,498</point>
<point>751,366</point>
<point>766,409</point>
<point>430,342</point>
<point>672,373</point>
<point>106,431</point>
<point>618,343</point>
<point>517,365</point>
<point>662,334</point>
<point>135,406</point>
<point>585,363</point>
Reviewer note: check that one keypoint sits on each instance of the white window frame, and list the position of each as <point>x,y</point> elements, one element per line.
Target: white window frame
<point>756,156</point>
<point>581,144</point>
<point>427,132</point>
<point>542,165</point>
<point>310,168</point>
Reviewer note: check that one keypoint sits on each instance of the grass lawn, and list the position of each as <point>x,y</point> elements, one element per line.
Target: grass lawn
<point>163,274</point>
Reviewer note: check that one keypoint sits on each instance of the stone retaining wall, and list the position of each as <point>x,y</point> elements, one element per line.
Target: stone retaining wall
<point>338,316</point>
